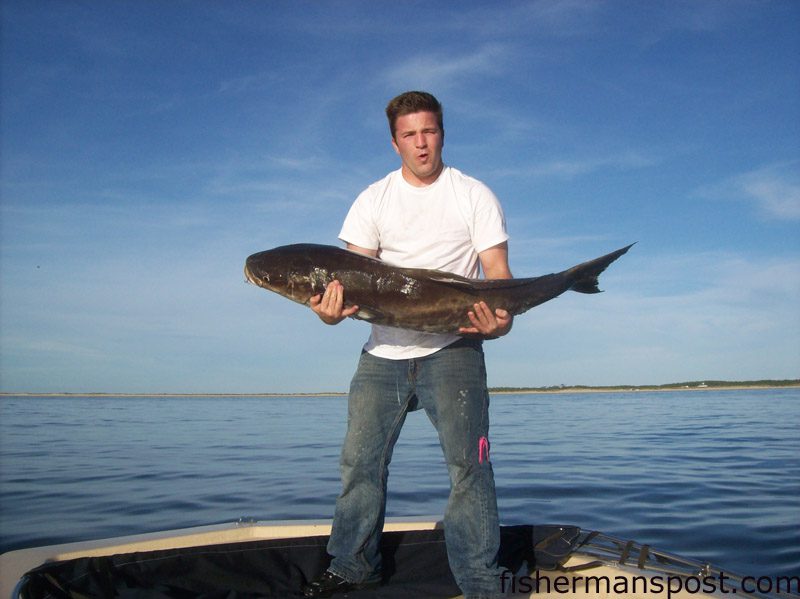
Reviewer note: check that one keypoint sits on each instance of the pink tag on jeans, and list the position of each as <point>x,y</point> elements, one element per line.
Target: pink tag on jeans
<point>483,450</point>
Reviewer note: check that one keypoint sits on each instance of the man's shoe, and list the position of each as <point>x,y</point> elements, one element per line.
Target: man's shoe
<point>330,583</point>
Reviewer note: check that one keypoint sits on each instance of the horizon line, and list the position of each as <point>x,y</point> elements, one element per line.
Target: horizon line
<point>684,385</point>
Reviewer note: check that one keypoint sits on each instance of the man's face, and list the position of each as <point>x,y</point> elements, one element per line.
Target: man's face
<point>419,140</point>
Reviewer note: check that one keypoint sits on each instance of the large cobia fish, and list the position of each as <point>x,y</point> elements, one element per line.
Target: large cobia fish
<point>409,298</point>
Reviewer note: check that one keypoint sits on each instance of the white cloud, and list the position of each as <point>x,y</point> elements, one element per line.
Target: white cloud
<point>774,193</point>
<point>437,71</point>
<point>544,17</point>
<point>258,82</point>
<point>774,190</point>
<point>575,167</point>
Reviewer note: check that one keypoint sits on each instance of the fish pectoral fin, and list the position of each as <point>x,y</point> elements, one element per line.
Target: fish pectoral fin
<point>368,313</point>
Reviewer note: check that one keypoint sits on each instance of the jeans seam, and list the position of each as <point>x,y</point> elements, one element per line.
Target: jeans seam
<point>383,465</point>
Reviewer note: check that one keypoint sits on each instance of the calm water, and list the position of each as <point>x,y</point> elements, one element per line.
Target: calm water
<point>713,475</point>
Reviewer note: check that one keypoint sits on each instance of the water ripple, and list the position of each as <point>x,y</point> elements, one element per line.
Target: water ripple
<point>712,475</point>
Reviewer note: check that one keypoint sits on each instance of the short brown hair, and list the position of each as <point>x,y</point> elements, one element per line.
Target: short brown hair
<point>411,102</point>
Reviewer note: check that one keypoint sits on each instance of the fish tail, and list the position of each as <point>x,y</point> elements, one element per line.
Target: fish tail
<point>586,274</point>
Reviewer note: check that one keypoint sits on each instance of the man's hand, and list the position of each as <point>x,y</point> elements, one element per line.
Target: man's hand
<point>486,323</point>
<point>330,305</point>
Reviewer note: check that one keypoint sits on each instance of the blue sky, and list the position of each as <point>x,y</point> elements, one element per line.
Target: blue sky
<point>149,147</point>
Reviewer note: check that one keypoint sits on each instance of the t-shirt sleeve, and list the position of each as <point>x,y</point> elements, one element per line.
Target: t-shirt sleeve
<point>359,226</point>
<point>488,220</point>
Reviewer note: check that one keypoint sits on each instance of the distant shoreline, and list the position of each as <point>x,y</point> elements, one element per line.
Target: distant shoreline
<point>332,393</point>
<point>690,386</point>
<point>645,389</point>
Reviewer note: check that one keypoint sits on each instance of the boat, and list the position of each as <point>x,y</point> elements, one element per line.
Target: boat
<point>252,558</point>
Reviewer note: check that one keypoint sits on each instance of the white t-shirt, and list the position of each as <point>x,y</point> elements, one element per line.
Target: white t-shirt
<point>441,226</point>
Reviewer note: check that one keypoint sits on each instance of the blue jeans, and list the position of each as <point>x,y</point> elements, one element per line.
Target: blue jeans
<point>451,386</point>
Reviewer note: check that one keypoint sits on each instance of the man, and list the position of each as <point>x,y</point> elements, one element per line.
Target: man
<point>424,215</point>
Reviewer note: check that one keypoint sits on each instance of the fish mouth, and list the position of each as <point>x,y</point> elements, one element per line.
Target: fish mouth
<point>250,277</point>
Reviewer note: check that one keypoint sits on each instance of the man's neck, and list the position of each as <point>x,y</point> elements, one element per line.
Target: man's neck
<point>415,181</point>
